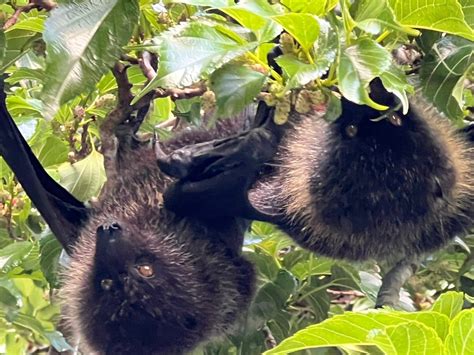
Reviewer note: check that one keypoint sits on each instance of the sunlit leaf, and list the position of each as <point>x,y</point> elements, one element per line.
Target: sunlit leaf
<point>408,338</point>
<point>360,329</point>
<point>460,339</point>
<point>438,15</point>
<point>85,178</point>
<point>358,65</point>
<point>303,27</point>
<point>210,48</point>
<point>449,303</point>
<point>235,87</point>
<point>84,38</point>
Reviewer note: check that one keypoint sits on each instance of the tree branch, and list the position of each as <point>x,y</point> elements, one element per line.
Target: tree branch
<point>33,4</point>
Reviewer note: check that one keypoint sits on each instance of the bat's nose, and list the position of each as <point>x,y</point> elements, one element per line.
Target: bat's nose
<point>109,237</point>
<point>109,230</point>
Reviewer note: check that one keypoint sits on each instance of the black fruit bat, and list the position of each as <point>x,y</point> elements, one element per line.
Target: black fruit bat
<point>143,279</point>
<point>382,185</point>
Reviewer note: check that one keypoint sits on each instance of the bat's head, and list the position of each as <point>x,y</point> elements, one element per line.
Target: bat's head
<point>148,293</point>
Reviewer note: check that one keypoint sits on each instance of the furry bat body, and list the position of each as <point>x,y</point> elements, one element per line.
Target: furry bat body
<point>147,281</point>
<point>380,185</point>
<point>141,278</point>
<point>364,187</point>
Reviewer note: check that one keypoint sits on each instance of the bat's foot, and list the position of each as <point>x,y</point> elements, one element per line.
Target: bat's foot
<point>392,282</point>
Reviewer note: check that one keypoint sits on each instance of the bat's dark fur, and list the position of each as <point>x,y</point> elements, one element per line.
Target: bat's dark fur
<point>201,282</point>
<point>359,189</point>
<point>199,285</point>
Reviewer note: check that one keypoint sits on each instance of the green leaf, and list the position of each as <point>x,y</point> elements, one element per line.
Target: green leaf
<point>303,27</point>
<point>85,178</point>
<point>54,151</point>
<point>33,24</point>
<point>345,276</point>
<point>437,15</point>
<point>408,338</point>
<point>325,49</point>
<point>265,264</point>
<point>25,74</point>
<point>83,38</point>
<point>254,15</point>
<point>449,303</point>
<point>6,298</point>
<point>315,7</point>
<point>13,255</point>
<point>442,69</point>
<point>358,329</point>
<point>468,10</point>
<point>460,339</point>
<point>210,50</point>
<point>50,252</point>
<point>396,82</point>
<point>315,294</point>
<point>210,3</point>
<point>358,65</point>
<point>272,296</point>
<point>375,17</point>
<point>235,87</point>
<point>2,46</point>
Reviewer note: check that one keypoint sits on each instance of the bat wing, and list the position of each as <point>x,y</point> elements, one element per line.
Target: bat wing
<point>63,213</point>
<point>214,177</point>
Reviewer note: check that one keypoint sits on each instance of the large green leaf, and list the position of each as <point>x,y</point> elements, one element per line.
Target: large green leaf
<point>358,65</point>
<point>303,27</point>
<point>315,7</point>
<point>468,10</point>
<point>254,15</point>
<point>460,339</point>
<point>210,3</point>
<point>84,38</point>
<point>235,87</point>
<point>360,329</point>
<point>437,15</point>
<point>449,303</point>
<point>54,151</point>
<point>375,16</point>
<point>191,52</point>
<point>14,255</point>
<point>325,49</point>
<point>441,71</point>
<point>409,338</point>
<point>50,253</point>
<point>85,178</point>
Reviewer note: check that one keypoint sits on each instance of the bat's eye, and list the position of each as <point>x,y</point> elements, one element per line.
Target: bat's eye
<point>145,270</point>
<point>395,120</point>
<point>351,130</point>
<point>106,284</point>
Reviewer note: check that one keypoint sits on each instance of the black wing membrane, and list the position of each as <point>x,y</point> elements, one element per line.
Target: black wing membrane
<point>214,177</point>
<point>63,213</point>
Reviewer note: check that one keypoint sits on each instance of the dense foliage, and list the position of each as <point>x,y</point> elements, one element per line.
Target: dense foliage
<point>61,88</point>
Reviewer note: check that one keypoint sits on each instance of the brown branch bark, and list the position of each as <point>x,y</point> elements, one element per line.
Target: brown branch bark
<point>115,117</point>
<point>33,4</point>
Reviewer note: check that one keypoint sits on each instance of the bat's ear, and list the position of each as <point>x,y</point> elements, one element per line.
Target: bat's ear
<point>64,214</point>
